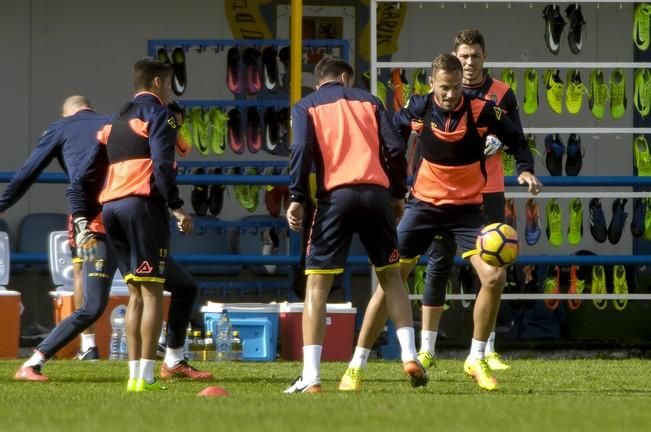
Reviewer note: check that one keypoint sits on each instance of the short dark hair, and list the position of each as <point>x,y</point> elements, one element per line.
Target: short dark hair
<point>332,67</point>
<point>469,37</point>
<point>148,68</point>
<point>446,62</point>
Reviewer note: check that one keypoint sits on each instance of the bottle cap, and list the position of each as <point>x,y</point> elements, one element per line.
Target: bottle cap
<point>236,333</point>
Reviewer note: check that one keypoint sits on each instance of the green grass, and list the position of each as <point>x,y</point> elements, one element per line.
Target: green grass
<point>536,395</point>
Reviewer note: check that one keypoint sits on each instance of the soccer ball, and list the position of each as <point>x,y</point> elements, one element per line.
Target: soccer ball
<point>497,244</point>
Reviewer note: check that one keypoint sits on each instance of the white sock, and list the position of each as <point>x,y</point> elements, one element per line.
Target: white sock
<point>477,350</point>
<point>490,344</point>
<point>37,359</point>
<point>162,339</point>
<point>147,370</point>
<point>134,368</point>
<point>360,358</point>
<point>407,341</point>
<point>428,341</point>
<point>87,341</point>
<point>312,363</point>
<point>173,356</point>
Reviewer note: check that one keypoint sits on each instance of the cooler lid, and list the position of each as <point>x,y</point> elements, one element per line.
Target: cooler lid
<point>330,307</point>
<point>241,307</point>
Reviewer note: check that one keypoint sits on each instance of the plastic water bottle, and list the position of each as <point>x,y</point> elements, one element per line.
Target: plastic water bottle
<point>188,341</point>
<point>223,339</point>
<point>123,353</point>
<point>236,346</point>
<point>116,337</point>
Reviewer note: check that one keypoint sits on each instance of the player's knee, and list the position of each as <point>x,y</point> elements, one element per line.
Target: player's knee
<point>494,278</point>
<point>434,296</point>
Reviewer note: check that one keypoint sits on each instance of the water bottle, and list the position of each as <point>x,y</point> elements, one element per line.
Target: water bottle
<point>123,353</point>
<point>236,346</point>
<point>188,341</point>
<point>116,336</point>
<point>223,339</point>
<point>209,351</point>
<point>196,346</point>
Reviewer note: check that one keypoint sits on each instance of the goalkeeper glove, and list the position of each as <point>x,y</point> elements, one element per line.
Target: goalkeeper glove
<point>492,145</point>
<point>85,239</point>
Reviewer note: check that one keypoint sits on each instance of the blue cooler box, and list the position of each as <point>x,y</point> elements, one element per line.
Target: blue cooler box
<point>257,323</point>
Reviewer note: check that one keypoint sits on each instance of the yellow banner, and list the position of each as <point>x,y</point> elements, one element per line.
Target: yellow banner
<point>389,24</point>
<point>245,20</point>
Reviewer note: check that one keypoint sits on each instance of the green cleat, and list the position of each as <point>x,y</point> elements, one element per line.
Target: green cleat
<point>617,93</point>
<point>575,230</point>
<point>352,380</point>
<point>217,120</point>
<point>642,156</point>
<point>642,91</point>
<point>598,94</point>
<point>420,83</point>
<point>620,286</point>
<point>574,92</point>
<point>599,285</point>
<point>508,164</point>
<point>131,385</point>
<point>495,362</point>
<point>530,91</point>
<point>554,90</point>
<point>426,359</point>
<point>144,386</point>
<point>481,372</point>
<point>199,137</point>
<point>641,36</point>
<point>508,78</point>
<point>554,222</point>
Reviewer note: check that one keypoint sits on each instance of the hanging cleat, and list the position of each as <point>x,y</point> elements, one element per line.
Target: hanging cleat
<point>233,72</point>
<point>530,103</point>
<point>574,159</point>
<point>554,150</point>
<point>617,93</point>
<point>575,230</point>
<point>598,94</point>
<point>554,90</point>
<point>575,33</point>
<point>554,24</point>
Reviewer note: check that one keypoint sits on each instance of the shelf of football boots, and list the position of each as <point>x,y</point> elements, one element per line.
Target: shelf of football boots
<point>235,179</point>
<point>487,2</point>
<point>525,65</point>
<point>204,44</point>
<point>542,296</point>
<point>262,164</point>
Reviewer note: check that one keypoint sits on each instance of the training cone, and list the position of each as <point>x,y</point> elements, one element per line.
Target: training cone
<point>214,391</point>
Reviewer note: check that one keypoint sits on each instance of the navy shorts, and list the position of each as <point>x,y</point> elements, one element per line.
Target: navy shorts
<point>138,231</point>
<point>493,207</point>
<point>365,209</point>
<point>423,223</point>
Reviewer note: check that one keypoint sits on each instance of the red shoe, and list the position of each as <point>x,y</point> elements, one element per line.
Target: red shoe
<point>183,370</point>
<point>416,372</point>
<point>30,373</point>
<point>576,287</point>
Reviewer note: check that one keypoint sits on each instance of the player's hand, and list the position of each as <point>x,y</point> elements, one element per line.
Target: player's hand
<point>398,208</point>
<point>183,220</point>
<point>295,216</point>
<point>492,145</point>
<point>85,239</point>
<point>535,185</point>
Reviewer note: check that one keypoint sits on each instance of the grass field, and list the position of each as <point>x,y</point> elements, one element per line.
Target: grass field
<point>536,395</point>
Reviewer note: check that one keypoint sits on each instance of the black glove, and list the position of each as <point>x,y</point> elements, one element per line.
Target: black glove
<point>86,240</point>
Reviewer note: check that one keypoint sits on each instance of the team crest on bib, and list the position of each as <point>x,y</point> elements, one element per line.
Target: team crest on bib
<point>172,122</point>
<point>498,112</point>
<point>99,265</point>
